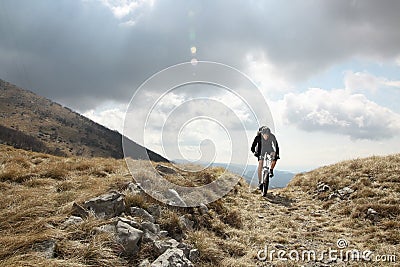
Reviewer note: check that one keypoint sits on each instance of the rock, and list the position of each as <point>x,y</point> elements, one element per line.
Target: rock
<point>78,210</point>
<point>71,220</point>
<point>149,237</point>
<point>46,248</point>
<point>279,246</point>
<point>144,263</point>
<point>174,198</point>
<point>172,258</point>
<point>131,222</point>
<point>185,248</point>
<point>203,209</point>
<point>333,195</point>
<point>194,255</point>
<point>107,205</point>
<point>345,192</point>
<point>163,233</point>
<point>107,228</point>
<point>128,237</point>
<point>138,212</point>
<point>150,227</point>
<point>322,187</point>
<point>162,245</point>
<point>134,188</point>
<point>154,210</point>
<point>185,222</point>
<point>165,169</point>
<point>371,211</point>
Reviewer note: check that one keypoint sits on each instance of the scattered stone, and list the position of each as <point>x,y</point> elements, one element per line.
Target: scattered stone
<point>345,192</point>
<point>138,212</point>
<point>128,237</point>
<point>107,228</point>
<point>71,220</point>
<point>203,209</point>
<point>185,248</point>
<point>260,216</point>
<point>144,263</point>
<point>154,210</point>
<point>322,187</point>
<point>333,195</point>
<point>371,211</point>
<point>185,222</point>
<point>78,210</point>
<point>194,255</point>
<point>163,233</point>
<point>106,206</point>
<point>131,222</point>
<point>165,169</point>
<point>162,245</point>
<point>150,227</point>
<point>46,248</point>
<point>174,198</point>
<point>172,258</point>
<point>134,188</point>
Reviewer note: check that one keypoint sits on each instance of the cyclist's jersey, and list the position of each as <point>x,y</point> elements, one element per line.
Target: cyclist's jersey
<point>270,145</point>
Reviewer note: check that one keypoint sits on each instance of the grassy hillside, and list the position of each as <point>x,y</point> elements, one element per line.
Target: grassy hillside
<point>35,123</point>
<point>37,192</point>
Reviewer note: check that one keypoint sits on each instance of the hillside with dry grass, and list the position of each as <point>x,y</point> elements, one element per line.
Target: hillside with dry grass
<point>356,200</point>
<point>32,122</point>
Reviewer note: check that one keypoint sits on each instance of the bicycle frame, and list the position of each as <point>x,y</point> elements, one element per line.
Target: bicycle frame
<point>265,173</point>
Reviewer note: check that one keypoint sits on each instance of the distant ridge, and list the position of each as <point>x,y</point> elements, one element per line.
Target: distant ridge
<point>32,122</point>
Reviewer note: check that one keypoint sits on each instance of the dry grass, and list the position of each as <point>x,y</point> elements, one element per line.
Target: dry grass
<point>37,192</point>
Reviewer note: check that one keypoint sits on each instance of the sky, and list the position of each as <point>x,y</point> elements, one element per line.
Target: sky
<point>323,75</point>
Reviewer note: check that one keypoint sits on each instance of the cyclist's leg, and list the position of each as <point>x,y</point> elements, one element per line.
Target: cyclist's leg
<point>260,165</point>
<point>271,169</point>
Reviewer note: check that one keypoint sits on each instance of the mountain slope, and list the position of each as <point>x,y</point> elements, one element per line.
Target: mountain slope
<point>32,122</point>
<point>313,213</point>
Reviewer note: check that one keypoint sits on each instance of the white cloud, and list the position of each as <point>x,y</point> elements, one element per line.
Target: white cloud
<point>338,111</point>
<point>122,8</point>
<point>110,115</point>
<point>265,74</point>
<point>364,81</point>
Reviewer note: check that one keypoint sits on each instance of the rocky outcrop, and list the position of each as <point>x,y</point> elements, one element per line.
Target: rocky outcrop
<point>106,206</point>
<point>137,227</point>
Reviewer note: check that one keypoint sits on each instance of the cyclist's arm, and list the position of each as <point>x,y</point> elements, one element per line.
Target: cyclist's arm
<point>253,146</point>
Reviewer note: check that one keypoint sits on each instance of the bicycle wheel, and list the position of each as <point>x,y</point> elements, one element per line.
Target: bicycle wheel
<point>265,183</point>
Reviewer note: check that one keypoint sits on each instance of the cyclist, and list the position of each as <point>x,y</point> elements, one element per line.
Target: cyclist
<point>265,142</point>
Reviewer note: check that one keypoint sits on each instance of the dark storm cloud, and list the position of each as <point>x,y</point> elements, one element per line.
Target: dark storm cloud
<point>77,52</point>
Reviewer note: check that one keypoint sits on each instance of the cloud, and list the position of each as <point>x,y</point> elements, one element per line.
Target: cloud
<point>364,81</point>
<point>77,53</point>
<point>340,112</point>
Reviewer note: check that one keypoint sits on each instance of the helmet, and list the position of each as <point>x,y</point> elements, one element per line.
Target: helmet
<point>265,130</point>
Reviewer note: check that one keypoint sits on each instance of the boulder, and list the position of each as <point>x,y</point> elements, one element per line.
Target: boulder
<point>106,206</point>
<point>138,212</point>
<point>150,227</point>
<point>78,210</point>
<point>128,237</point>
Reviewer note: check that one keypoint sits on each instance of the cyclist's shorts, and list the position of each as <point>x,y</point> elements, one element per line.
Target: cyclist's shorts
<point>275,158</point>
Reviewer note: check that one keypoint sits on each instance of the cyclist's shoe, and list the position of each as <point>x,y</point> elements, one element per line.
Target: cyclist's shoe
<point>271,173</point>
<point>260,186</point>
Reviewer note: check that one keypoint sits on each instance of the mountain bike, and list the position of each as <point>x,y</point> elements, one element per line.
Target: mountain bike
<point>265,174</point>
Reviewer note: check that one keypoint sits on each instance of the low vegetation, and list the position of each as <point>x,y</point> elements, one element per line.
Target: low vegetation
<point>37,192</point>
